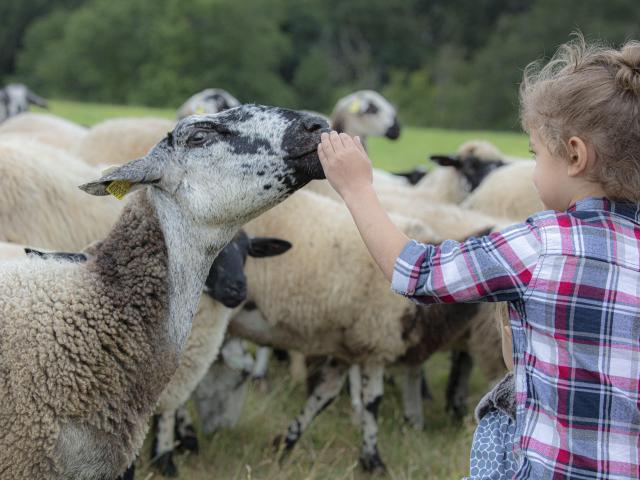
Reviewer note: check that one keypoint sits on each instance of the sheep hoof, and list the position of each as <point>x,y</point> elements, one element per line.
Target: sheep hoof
<point>165,466</point>
<point>189,442</point>
<point>373,464</point>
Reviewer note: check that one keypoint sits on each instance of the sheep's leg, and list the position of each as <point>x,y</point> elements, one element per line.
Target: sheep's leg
<point>355,391</point>
<point>372,390</point>
<point>332,376</point>
<point>297,367</point>
<point>458,385</point>
<point>162,450</point>
<point>185,432</point>
<point>425,391</point>
<point>412,396</point>
<point>261,366</point>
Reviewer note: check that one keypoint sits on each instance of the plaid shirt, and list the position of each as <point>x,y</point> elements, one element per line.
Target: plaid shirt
<point>572,281</point>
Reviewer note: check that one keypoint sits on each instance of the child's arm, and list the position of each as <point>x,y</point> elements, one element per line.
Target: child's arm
<point>348,170</point>
<point>496,267</point>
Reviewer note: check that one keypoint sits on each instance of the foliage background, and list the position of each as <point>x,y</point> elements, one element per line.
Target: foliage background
<point>445,63</point>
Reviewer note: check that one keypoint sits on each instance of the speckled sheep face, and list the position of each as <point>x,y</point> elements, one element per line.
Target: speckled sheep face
<point>240,162</point>
<point>366,113</point>
<point>227,168</point>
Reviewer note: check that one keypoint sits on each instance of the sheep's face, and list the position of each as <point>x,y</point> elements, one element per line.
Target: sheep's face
<point>240,162</point>
<point>211,100</point>
<point>473,169</point>
<point>366,113</point>
<point>226,281</point>
<point>227,168</point>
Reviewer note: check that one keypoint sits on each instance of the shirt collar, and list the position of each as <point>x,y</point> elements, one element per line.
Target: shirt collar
<point>629,210</point>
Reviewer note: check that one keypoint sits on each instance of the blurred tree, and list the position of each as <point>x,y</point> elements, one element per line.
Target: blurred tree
<point>451,63</point>
<point>16,17</point>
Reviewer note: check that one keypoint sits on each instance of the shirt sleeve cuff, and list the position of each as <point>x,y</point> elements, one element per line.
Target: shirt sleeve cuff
<point>407,267</point>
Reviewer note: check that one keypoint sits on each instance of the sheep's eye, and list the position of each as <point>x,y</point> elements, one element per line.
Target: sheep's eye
<point>198,138</point>
<point>371,109</point>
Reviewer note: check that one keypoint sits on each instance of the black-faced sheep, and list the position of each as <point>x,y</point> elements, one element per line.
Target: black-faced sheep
<point>326,297</point>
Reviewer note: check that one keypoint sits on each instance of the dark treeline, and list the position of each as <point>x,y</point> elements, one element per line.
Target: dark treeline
<point>449,63</point>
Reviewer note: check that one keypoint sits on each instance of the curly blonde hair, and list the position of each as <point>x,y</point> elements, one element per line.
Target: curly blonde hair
<point>593,92</point>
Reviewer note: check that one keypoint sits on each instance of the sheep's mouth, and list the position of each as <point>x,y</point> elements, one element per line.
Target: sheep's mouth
<point>306,166</point>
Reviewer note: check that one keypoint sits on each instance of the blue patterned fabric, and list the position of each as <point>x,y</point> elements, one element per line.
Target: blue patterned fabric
<point>492,456</point>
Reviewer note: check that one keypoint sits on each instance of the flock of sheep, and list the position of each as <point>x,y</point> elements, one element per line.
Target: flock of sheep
<point>123,310</point>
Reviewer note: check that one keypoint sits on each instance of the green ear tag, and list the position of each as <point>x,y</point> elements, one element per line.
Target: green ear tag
<point>119,188</point>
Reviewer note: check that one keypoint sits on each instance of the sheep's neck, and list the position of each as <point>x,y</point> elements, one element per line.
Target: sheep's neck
<point>191,250</point>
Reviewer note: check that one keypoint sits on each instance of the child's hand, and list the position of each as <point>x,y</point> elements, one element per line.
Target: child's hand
<point>345,163</point>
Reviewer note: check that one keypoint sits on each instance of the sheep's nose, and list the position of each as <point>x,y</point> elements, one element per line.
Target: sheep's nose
<point>313,124</point>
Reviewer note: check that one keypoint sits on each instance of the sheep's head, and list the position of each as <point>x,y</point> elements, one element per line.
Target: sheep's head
<point>366,113</point>
<point>226,281</point>
<point>210,100</point>
<point>229,167</point>
<point>19,97</point>
<point>474,161</point>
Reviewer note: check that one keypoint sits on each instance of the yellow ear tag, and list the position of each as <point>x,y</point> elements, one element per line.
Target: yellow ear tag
<point>200,110</point>
<point>354,107</point>
<point>119,188</point>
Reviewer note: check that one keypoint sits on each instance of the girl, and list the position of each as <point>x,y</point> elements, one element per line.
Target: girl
<point>571,275</point>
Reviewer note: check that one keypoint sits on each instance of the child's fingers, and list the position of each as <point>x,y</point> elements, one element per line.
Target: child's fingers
<point>321,155</point>
<point>347,141</point>
<point>325,141</point>
<point>335,141</point>
<point>358,143</point>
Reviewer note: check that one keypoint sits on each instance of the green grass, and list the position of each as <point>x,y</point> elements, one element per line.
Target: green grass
<point>412,148</point>
<point>329,449</point>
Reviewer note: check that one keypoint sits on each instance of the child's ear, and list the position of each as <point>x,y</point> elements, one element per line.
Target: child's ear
<point>580,156</point>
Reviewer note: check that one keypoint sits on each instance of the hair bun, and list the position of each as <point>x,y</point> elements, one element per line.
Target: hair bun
<point>628,76</point>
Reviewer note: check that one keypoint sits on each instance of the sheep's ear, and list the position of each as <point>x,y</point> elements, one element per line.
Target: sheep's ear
<point>267,247</point>
<point>37,100</point>
<point>446,160</point>
<point>122,180</point>
<point>64,256</point>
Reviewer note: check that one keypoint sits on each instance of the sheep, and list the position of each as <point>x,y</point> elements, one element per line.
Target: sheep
<point>120,140</point>
<point>326,297</point>
<point>39,204</point>
<point>15,98</point>
<point>45,128</point>
<point>76,339</point>
<point>455,177</point>
<point>225,289</point>
<point>508,192</point>
<point>365,113</point>
<point>210,100</point>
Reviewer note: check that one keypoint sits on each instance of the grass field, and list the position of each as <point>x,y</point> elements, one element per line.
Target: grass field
<point>329,450</point>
